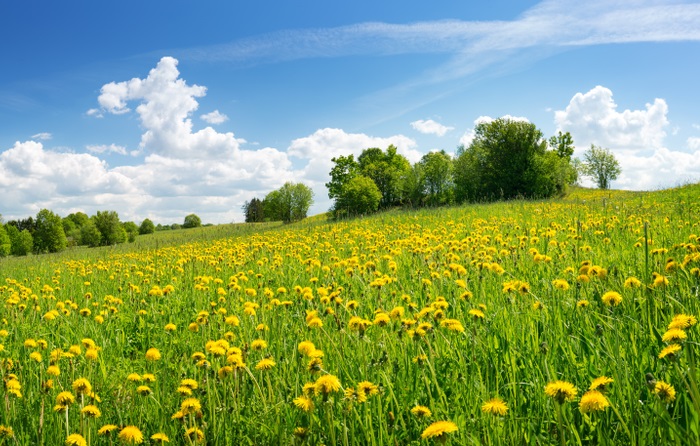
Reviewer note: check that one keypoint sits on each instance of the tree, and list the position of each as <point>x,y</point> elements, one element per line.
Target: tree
<point>344,168</point>
<point>388,170</point>
<point>253,211</point>
<point>358,196</point>
<point>289,203</point>
<point>437,178</point>
<point>147,227</point>
<point>111,230</point>
<point>192,221</point>
<point>5,242</point>
<point>131,230</point>
<point>49,235</point>
<point>509,159</point>
<point>601,165</point>
<point>562,144</point>
<point>90,235</point>
<point>21,241</point>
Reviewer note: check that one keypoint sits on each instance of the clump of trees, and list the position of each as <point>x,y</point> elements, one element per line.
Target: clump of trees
<point>600,165</point>
<point>506,159</point>
<point>289,203</point>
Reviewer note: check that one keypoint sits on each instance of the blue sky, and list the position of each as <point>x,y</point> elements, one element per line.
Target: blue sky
<point>162,108</point>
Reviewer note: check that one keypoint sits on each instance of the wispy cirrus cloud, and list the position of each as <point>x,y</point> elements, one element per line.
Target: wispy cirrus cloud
<point>552,26</point>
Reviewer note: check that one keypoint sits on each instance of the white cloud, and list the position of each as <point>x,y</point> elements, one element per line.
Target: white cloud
<point>469,135</point>
<point>214,117</point>
<point>96,112</point>
<point>103,148</point>
<point>694,143</point>
<point>635,137</point>
<point>592,118</point>
<point>43,136</point>
<point>430,127</point>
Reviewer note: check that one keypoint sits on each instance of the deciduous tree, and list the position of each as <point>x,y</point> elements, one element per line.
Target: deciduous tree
<point>601,165</point>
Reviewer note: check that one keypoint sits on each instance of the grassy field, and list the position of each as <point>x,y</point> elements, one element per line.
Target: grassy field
<point>569,321</point>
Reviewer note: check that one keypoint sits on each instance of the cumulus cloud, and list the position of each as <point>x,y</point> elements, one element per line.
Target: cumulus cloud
<point>469,135</point>
<point>103,148</point>
<point>635,137</point>
<point>43,136</point>
<point>96,112</point>
<point>430,127</point>
<point>214,117</point>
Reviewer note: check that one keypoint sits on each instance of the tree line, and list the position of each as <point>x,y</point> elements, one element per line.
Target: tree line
<point>506,159</point>
<point>49,232</point>
<point>289,203</point>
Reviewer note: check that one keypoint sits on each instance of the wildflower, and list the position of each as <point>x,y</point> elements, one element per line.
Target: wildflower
<point>326,384</point>
<point>65,398</point>
<point>265,364</point>
<point>682,321</point>
<point>368,388</point>
<point>189,383</point>
<point>190,405</point>
<point>160,438</point>
<point>306,347</point>
<point>659,281</point>
<point>91,411</point>
<point>670,351</point>
<point>144,390</point>
<point>304,403</point>
<point>75,440</point>
<point>583,303</point>
<point>495,406</point>
<point>601,383</point>
<point>131,435</point>
<point>91,354</point>
<point>439,429</point>
<point>301,432</point>
<point>421,412</point>
<point>561,391</point>
<point>612,298</point>
<point>355,395</point>
<point>674,334</point>
<point>152,354</point>
<point>107,429</point>
<point>477,314</point>
<point>632,282</point>
<point>82,385</point>
<point>170,327</point>
<point>258,344</point>
<point>149,377</point>
<point>561,284</point>
<point>6,432</point>
<point>593,401</point>
<point>53,370</point>
<point>194,434</point>
<point>664,391</point>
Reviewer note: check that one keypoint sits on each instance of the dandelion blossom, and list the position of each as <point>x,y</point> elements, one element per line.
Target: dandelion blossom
<point>674,334</point>
<point>326,384</point>
<point>561,391</point>
<point>601,383</point>
<point>304,403</point>
<point>612,298</point>
<point>194,435</point>
<point>664,391</point>
<point>421,412</point>
<point>190,405</point>
<point>495,406</point>
<point>131,435</point>
<point>670,351</point>
<point>682,321</point>
<point>160,438</point>
<point>107,429</point>
<point>265,364</point>
<point>153,354</point>
<point>91,411</point>
<point>82,385</point>
<point>75,440</point>
<point>593,401</point>
<point>65,398</point>
<point>439,429</point>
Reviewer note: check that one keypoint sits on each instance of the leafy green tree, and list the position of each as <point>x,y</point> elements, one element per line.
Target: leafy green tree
<point>289,203</point>
<point>147,227</point>
<point>90,235</point>
<point>437,170</point>
<point>254,211</point>
<point>562,144</point>
<point>192,221</point>
<point>509,159</point>
<point>344,168</point>
<point>5,242</point>
<point>21,241</point>
<point>111,230</point>
<point>131,231</point>
<point>413,187</point>
<point>601,165</point>
<point>388,170</point>
<point>360,195</point>
<point>49,235</point>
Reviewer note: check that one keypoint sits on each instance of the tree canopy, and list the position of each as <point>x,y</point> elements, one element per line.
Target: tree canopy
<point>49,235</point>
<point>601,165</point>
<point>289,203</point>
<point>192,221</point>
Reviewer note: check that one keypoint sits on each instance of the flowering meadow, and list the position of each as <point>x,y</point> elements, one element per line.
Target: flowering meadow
<point>571,321</point>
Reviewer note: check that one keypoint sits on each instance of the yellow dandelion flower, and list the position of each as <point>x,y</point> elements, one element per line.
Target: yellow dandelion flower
<point>561,391</point>
<point>561,284</point>
<point>190,405</point>
<point>421,412</point>
<point>152,354</point>
<point>495,406</point>
<point>368,388</point>
<point>91,411</point>
<point>258,344</point>
<point>601,383</point>
<point>664,391</point>
<point>131,435</point>
<point>306,347</point>
<point>53,370</point>
<point>326,384</point>
<point>593,401</point>
<point>583,303</point>
<point>265,364</point>
<point>107,429</point>
<point>160,438</point>
<point>674,334</point>
<point>632,282</point>
<point>304,403</point>
<point>82,385</point>
<point>170,327</point>
<point>194,434</point>
<point>612,298</point>
<point>189,383</point>
<point>670,351</point>
<point>682,321</point>
<point>439,429</point>
<point>75,440</point>
<point>65,398</point>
